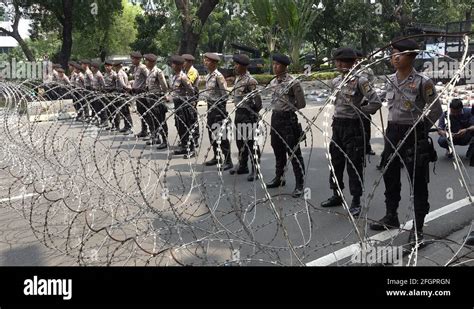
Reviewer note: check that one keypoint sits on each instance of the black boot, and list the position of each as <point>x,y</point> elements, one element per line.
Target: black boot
<point>334,201</point>
<point>416,239</point>
<point>356,208</point>
<point>228,165</point>
<point>299,189</point>
<point>277,182</point>
<point>241,170</point>
<point>164,143</point>
<point>390,221</point>
<point>212,162</point>
<point>253,175</point>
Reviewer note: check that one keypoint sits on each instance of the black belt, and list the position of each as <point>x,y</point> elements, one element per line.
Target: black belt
<point>346,121</point>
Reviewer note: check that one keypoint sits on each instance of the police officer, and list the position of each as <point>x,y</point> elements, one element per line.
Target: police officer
<point>193,76</point>
<point>121,87</point>
<point>98,101</point>
<point>286,132</point>
<point>88,76</point>
<point>408,93</point>
<point>216,96</point>
<point>182,92</point>
<point>368,73</point>
<point>347,144</point>
<point>138,88</point>
<point>110,81</point>
<point>155,115</point>
<point>78,82</point>
<point>246,117</point>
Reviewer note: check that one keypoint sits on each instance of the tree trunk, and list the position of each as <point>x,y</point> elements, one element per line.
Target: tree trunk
<point>192,25</point>
<point>24,47</point>
<point>66,47</point>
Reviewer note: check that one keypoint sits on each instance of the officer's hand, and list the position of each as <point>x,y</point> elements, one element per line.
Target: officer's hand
<point>461,133</point>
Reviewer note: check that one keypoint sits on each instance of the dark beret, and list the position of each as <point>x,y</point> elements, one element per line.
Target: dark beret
<point>118,63</point>
<point>77,66</point>
<point>241,59</point>
<point>109,62</point>
<point>136,54</point>
<point>345,53</point>
<point>188,57</point>
<point>150,57</point>
<point>359,53</point>
<point>56,66</point>
<point>404,45</point>
<point>95,64</point>
<point>85,61</point>
<point>177,59</point>
<point>283,59</point>
<point>212,56</point>
<point>71,63</point>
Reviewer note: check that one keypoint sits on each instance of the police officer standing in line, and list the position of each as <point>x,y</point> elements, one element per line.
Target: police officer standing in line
<point>369,74</point>
<point>88,76</point>
<point>140,75</point>
<point>216,96</point>
<point>155,114</point>
<point>193,76</point>
<point>246,117</point>
<point>286,132</point>
<point>98,102</point>
<point>348,131</point>
<point>121,85</point>
<point>181,93</point>
<point>408,93</point>
<point>110,81</point>
<point>62,77</point>
<point>78,82</point>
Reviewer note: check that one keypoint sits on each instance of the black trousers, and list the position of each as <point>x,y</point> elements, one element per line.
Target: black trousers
<point>123,108</point>
<point>418,173</point>
<point>99,106</point>
<point>246,123</point>
<point>285,141</point>
<point>216,114</point>
<point>347,140</point>
<point>195,120</point>
<point>184,120</point>
<point>113,112</point>
<point>81,103</point>
<point>155,116</point>
<point>142,109</point>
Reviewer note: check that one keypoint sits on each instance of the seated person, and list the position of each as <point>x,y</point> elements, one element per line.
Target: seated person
<point>462,127</point>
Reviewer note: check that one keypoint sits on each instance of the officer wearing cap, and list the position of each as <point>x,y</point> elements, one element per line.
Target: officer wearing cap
<point>62,77</point>
<point>78,82</point>
<point>286,132</point>
<point>98,103</point>
<point>155,115</point>
<point>347,145</point>
<point>408,94</point>
<point>193,76</point>
<point>246,117</point>
<point>216,96</point>
<point>367,121</point>
<point>110,80</point>
<point>121,87</point>
<point>140,75</point>
<point>181,93</point>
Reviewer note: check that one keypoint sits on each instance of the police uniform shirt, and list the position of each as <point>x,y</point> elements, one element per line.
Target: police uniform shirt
<point>216,87</point>
<point>121,81</point>
<point>408,98</point>
<point>156,81</point>
<point>181,86</point>
<point>98,82</point>
<point>349,98</point>
<point>88,77</point>
<point>244,84</point>
<point>288,95</point>
<point>78,80</point>
<point>140,75</point>
<point>463,121</point>
<point>63,80</point>
<point>110,80</point>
